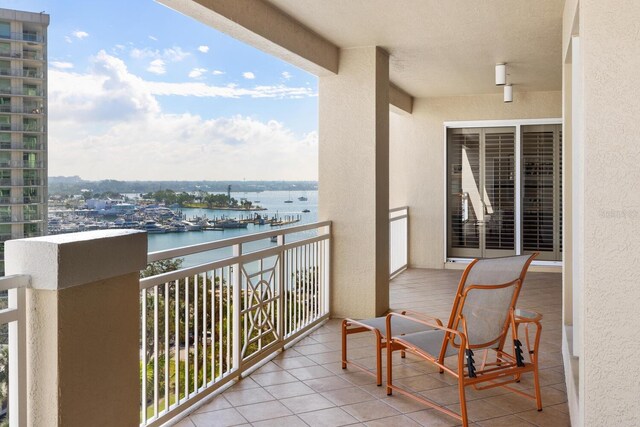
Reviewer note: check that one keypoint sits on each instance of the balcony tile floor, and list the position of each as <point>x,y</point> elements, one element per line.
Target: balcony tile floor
<point>305,385</point>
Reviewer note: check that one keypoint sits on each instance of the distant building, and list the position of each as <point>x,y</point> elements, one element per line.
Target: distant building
<point>23,125</point>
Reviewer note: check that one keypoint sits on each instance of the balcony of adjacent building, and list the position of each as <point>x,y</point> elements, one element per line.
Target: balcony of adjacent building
<point>26,90</point>
<point>30,37</point>
<point>21,142</point>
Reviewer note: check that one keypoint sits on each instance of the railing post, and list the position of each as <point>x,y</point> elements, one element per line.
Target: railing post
<point>82,326</point>
<point>17,361</point>
<point>237,332</point>
<point>327,271</point>
<point>281,288</point>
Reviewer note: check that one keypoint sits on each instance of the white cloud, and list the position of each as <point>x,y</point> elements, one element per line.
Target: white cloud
<point>231,90</point>
<point>155,39</point>
<point>61,65</point>
<point>197,72</point>
<point>249,75</point>
<point>108,124</point>
<point>286,75</point>
<point>157,66</point>
<point>80,34</point>
<point>173,54</point>
<point>203,48</point>
<point>217,72</point>
<point>68,39</point>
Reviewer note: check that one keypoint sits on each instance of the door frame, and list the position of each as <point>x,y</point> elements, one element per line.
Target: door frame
<point>517,123</point>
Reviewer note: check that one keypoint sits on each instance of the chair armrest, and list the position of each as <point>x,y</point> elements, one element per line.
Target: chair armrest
<point>522,315</point>
<point>421,316</point>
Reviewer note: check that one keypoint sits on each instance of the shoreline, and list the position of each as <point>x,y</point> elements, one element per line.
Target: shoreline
<point>225,208</point>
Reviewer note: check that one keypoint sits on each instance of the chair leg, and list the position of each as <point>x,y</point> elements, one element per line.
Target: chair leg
<point>344,344</point>
<point>463,403</point>
<point>378,359</point>
<point>389,363</point>
<point>536,381</point>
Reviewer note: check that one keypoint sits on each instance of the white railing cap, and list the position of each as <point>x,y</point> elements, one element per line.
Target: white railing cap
<point>66,260</point>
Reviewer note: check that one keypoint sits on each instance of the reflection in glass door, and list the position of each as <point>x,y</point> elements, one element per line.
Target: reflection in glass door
<point>481,192</point>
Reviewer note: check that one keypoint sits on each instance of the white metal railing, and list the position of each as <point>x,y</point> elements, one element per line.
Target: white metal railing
<point>13,342</point>
<point>206,325</point>
<point>398,240</point>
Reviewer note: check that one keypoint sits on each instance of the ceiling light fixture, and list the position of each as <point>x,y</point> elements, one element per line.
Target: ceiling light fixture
<point>501,74</point>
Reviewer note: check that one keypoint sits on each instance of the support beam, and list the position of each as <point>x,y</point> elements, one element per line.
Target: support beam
<point>264,27</point>
<point>400,101</point>
<point>354,180</point>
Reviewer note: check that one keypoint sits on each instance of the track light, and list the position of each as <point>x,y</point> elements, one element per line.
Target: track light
<point>508,93</point>
<point>501,74</point>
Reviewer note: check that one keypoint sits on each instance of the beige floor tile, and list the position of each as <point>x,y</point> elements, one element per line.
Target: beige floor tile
<point>263,411</point>
<point>294,362</point>
<point>420,383</point>
<point>328,383</point>
<point>310,402</point>
<point>398,420</point>
<point>268,367</point>
<point>379,392</point>
<point>272,378</point>
<point>548,417</point>
<point>313,349</point>
<point>507,421</point>
<point>310,372</point>
<point>186,422</point>
<point>218,402</point>
<point>347,396</point>
<point>290,421</point>
<point>322,358</point>
<point>245,397</point>
<point>222,418</point>
<point>478,410</point>
<point>432,418</point>
<point>562,407</point>
<point>371,410</point>
<point>243,384</point>
<point>404,404</point>
<point>332,417</point>
<point>513,403</point>
<point>443,396</point>
<point>282,391</point>
<point>359,378</point>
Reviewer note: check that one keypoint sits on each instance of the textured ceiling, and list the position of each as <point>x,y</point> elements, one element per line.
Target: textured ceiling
<point>447,47</point>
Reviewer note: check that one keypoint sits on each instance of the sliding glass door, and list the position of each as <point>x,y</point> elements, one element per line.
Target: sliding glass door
<point>481,192</point>
<point>542,191</point>
<point>504,199</point>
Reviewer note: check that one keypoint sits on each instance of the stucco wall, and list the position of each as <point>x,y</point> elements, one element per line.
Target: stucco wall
<point>417,152</point>
<point>610,41</point>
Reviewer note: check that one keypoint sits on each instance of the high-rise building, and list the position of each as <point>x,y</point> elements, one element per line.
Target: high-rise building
<point>23,125</point>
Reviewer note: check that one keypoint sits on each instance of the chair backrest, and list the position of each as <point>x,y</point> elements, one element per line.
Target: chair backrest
<point>487,292</point>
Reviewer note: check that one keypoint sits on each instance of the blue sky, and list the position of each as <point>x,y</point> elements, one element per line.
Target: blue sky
<point>139,91</point>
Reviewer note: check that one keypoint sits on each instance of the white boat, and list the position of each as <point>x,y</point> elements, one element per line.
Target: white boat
<point>152,227</point>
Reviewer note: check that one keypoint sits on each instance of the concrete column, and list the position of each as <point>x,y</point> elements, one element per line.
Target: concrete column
<point>83,363</point>
<point>354,180</point>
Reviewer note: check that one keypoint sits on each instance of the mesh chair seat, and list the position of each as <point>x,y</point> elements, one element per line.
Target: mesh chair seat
<point>399,325</point>
<point>429,342</point>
